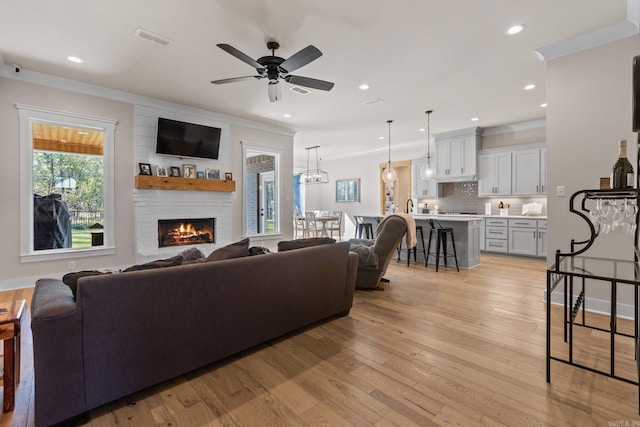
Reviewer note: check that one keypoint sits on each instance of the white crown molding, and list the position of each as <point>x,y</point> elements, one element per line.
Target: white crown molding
<point>628,28</point>
<point>515,127</point>
<point>132,98</point>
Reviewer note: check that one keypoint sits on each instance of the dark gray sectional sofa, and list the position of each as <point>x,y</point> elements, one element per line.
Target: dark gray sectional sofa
<point>128,331</point>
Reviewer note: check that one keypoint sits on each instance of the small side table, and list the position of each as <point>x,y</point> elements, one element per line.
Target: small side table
<point>10,326</point>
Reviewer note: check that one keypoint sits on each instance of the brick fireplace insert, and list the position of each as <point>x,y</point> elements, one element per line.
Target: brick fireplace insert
<point>183,232</point>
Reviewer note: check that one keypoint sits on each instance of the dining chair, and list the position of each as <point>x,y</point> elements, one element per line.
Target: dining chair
<point>313,227</point>
<point>299,228</point>
<point>336,225</point>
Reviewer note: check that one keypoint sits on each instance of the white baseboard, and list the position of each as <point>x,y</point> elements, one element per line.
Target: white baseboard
<point>592,305</point>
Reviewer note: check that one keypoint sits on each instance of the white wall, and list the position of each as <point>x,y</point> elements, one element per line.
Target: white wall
<point>590,107</point>
<point>590,102</point>
<point>15,274</point>
<point>367,168</point>
<point>65,95</point>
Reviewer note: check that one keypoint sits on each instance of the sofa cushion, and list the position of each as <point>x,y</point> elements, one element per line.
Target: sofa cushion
<point>71,279</point>
<point>287,245</point>
<point>233,250</point>
<point>160,263</point>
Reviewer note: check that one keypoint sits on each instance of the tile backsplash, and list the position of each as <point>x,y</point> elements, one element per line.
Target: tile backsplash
<point>463,197</point>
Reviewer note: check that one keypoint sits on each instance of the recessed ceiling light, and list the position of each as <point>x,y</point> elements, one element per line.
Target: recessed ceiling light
<point>474,119</point>
<point>381,137</point>
<point>421,130</point>
<point>530,86</point>
<point>514,29</point>
<point>75,59</point>
<point>287,115</point>
<point>363,86</point>
<point>543,105</point>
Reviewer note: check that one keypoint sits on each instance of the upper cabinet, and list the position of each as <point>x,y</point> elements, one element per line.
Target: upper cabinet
<point>513,171</point>
<point>529,174</point>
<point>420,188</point>
<point>456,154</point>
<point>494,174</point>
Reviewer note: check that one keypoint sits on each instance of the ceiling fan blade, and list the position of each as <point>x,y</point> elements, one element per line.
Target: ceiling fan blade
<point>274,91</point>
<point>309,82</point>
<point>241,56</point>
<point>234,79</point>
<point>303,57</point>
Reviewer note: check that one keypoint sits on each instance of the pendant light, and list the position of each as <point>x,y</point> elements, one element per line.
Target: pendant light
<point>389,174</point>
<point>426,170</point>
<point>317,175</point>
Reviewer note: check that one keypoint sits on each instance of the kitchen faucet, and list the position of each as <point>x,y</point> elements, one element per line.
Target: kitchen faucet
<point>409,201</point>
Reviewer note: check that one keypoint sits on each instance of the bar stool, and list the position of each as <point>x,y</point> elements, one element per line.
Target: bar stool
<point>361,227</point>
<point>415,248</point>
<point>441,236</point>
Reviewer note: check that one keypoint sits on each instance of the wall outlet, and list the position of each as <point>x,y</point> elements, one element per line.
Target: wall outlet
<point>71,265</point>
<point>560,191</point>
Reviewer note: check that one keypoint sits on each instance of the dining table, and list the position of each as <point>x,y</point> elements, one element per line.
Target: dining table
<point>324,219</point>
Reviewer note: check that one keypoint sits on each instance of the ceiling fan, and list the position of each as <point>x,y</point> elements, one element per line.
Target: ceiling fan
<point>274,68</point>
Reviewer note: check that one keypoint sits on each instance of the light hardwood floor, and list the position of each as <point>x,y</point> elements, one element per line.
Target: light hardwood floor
<point>442,348</point>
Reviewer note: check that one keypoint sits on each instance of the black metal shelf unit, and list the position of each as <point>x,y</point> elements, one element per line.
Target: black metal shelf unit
<point>573,269</point>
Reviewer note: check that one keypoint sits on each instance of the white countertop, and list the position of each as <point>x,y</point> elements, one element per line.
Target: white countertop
<point>458,217</point>
<point>471,217</point>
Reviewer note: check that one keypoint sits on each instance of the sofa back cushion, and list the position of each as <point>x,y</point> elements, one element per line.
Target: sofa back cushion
<point>233,250</point>
<point>287,245</point>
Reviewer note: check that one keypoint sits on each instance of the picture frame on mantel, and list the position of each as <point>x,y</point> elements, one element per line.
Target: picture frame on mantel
<point>348,190</point>
<point>175,171</point>
<point>188,171</point>
<point>145,168</point>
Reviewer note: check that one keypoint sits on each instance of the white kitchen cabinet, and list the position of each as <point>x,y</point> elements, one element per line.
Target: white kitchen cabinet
<point>523,237</point>
<point>542,237</point>
<point>496,234</point>
<point>420,188</point>
<point>456,155</point>
<point>518,236</point>
<point>494,174</point>
<point>529,172</point>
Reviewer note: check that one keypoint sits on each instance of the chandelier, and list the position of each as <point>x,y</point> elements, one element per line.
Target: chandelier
<point>317,175</point>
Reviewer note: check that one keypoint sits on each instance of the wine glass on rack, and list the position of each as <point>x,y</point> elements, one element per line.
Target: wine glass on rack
<point>631,209</point>
<point>595,215</point>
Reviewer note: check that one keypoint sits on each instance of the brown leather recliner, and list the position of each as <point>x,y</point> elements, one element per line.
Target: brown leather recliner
<point>389,234</point>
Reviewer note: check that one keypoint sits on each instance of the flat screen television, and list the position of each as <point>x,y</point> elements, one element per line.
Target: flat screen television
<point>187,139</point>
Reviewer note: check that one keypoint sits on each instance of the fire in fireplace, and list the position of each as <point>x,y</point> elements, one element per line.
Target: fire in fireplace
<point>181,232</point>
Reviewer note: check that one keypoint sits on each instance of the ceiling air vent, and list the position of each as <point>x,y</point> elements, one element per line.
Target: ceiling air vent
<point>371,102</point>
<point>300,90</point>
<point>152,37</point>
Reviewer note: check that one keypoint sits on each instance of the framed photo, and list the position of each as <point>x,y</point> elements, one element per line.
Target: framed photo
<point>145,168</point>
<point>228,176</point>
<point>175,171</point>
<point>200,175</point>
<point>188,171</point>
<point>348,190</point>
<point>212,173</point>
<point>161,171</point>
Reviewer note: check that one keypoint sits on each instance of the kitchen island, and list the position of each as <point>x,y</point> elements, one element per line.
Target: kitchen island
<point>466,234</point>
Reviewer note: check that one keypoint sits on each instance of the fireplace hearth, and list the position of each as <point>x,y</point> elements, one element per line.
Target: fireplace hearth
<point>183,232</point>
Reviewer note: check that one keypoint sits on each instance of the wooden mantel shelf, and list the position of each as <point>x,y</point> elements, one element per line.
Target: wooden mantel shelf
<point>148,182</point>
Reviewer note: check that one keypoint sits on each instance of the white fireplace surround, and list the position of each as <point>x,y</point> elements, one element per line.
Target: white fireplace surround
<point>153,205</point>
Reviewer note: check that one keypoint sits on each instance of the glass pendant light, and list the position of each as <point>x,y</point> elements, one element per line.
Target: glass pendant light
<point>389,174</point>
<point>426,170</point>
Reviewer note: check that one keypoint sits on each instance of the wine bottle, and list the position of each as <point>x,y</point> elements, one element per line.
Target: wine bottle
<point>622,171</point>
